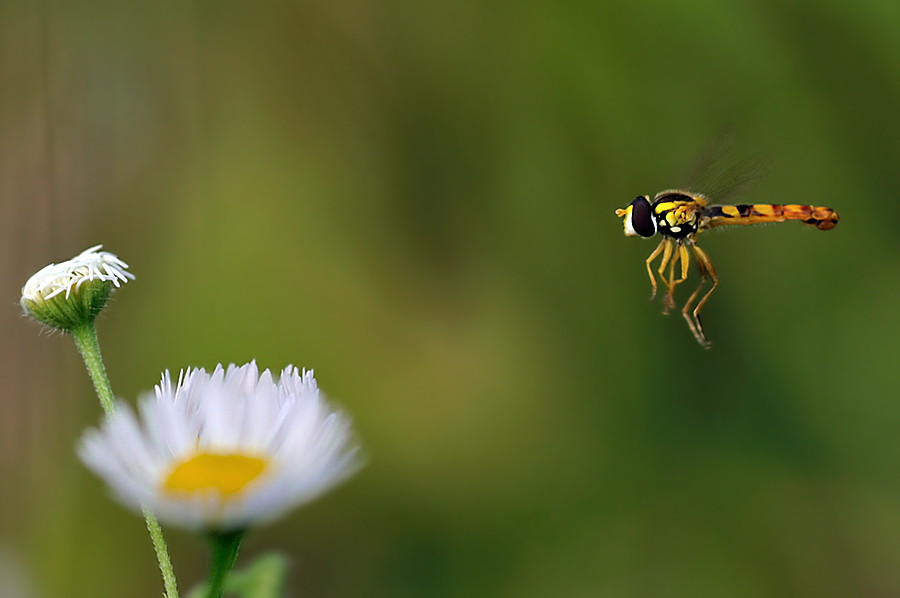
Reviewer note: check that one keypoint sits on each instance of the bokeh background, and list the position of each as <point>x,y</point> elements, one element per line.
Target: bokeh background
<point>416,199</point>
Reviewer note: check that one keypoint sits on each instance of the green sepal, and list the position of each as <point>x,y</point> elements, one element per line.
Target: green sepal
<point>264,578</point>
<point>78,309</point>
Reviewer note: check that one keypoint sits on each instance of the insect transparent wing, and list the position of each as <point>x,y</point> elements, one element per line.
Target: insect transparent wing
<point>716,177</point>
<point>712,162</point>
<point>739,179</point>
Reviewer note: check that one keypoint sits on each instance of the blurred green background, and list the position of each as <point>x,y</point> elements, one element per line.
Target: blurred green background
<point>417,200</point>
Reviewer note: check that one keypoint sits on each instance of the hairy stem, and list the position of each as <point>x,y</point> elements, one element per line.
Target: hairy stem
<point>86,340</point>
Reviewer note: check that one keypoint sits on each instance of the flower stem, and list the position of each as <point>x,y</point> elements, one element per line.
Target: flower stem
<point>86,340</point>
<point>223,551</point>
<point>162,553</point>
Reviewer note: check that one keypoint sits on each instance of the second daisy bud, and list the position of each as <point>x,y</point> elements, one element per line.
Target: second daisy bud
<point>70,294</point>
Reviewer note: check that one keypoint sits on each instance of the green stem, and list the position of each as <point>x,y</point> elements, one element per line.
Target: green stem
<point>223,551</point>
<point>86,340</point>
<point>162,553</point>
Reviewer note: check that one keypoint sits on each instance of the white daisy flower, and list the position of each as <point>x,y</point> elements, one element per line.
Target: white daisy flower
<point>225,450</point>
<point>73,292</point>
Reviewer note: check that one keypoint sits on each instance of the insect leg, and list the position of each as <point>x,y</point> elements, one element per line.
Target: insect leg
<point>696,329</point>
<point>669,302</point>
<point>653,256</point>
<point>667,245</point>
<point>685,264</point>
<point>706,267</point>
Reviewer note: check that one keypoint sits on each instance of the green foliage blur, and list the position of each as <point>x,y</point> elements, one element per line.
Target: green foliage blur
<point>417,200</point>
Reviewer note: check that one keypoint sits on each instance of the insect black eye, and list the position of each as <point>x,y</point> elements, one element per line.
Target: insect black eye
<point>642,217</point>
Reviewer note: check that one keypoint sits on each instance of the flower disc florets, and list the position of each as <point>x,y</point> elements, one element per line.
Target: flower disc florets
<point>226,450</point>
<point>71,294</point>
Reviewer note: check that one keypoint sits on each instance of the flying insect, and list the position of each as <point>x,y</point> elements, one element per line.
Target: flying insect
<point>680,215</point>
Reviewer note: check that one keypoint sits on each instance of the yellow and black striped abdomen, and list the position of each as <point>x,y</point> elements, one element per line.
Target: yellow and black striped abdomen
<point>821,217</point>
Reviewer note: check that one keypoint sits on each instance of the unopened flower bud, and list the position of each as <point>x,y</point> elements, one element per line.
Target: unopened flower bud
<point>70,294</point>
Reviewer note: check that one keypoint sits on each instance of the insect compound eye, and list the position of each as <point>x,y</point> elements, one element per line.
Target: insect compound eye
<point>642,221</point>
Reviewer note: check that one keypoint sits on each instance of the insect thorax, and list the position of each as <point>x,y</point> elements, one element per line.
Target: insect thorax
<point>675,213</point>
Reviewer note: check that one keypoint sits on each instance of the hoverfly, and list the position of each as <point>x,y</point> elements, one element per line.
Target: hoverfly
<point>679,215</point>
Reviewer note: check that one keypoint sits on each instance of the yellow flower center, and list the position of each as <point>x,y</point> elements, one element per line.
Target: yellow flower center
<point>227,474</point>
